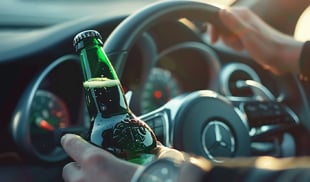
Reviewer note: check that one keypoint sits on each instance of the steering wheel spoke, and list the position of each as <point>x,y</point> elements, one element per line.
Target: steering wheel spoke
<point>266,118</point>
<point>160,122</point>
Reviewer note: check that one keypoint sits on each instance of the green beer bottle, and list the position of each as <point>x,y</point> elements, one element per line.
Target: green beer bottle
<point>114,127</point>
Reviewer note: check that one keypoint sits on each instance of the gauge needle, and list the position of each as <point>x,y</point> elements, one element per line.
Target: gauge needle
<point>218,136</point>
<point>45,125</point>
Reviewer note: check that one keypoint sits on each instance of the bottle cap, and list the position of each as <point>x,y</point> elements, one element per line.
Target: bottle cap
<point>85,35</point>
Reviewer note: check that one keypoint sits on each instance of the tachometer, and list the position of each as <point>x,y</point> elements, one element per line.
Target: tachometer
<point>159,88</point>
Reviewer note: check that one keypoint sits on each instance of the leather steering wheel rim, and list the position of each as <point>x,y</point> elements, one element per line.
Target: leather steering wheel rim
<point>128,31</point>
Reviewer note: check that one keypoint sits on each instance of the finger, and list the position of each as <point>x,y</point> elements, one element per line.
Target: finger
<point>71,172</point>
<point>233,22</point>
<point>75,146</point>
<point>232,41</point>
<point>162,151</point>
<point>214,34</point>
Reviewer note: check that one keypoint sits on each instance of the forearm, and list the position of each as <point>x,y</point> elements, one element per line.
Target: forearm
<point>233,171</point>
<point>261,169</point>
<point>255,175</point>
<point>288,54</point>
<point>250,170</point>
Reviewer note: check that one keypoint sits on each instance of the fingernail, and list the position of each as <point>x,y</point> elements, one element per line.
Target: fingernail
<point>63,138</point>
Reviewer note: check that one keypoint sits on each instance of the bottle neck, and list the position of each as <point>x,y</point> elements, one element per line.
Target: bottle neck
<point>104,93</point>
<point>88,42</point>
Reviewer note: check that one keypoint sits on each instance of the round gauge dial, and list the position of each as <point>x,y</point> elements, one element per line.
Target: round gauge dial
<point>159,88</point>
<point>48,112</point>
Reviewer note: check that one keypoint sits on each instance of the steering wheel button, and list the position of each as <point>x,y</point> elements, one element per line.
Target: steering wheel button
<point>159,131</point>
<point>251,108</point>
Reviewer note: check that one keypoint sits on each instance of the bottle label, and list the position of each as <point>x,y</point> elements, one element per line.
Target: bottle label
<point>124,136</point>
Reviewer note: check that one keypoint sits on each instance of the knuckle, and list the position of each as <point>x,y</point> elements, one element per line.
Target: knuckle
<point>92,157</point>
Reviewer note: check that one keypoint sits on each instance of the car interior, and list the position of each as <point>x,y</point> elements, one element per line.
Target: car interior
<point>201,98</point>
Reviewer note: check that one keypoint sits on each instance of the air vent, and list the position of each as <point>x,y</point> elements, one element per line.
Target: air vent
<point>233,72</point>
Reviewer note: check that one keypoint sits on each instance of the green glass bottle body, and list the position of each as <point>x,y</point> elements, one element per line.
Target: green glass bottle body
<point>113,126</point>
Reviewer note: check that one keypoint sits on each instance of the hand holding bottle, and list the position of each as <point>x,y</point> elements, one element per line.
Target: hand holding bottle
<point>92,163</point>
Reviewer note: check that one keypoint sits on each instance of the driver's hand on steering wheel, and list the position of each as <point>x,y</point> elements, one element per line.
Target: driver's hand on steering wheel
<point>272,49</point>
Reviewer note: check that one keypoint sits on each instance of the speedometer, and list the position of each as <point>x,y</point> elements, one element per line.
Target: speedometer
<point>159,88</point>
<point>48,112</point>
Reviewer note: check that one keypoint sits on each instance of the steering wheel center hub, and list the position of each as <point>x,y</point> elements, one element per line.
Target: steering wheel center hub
<point>209,125</point>
<point>218,140</point>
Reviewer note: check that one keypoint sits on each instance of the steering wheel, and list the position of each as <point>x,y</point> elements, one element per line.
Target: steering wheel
<point>195,122</point>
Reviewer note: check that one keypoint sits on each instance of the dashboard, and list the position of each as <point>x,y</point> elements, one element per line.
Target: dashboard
<point>42,95</point>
